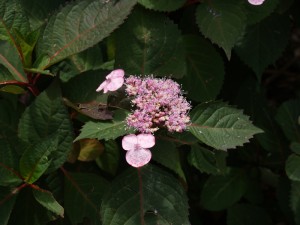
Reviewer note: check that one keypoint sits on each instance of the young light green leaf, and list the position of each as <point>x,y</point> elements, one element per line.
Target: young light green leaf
<point>46,199</point>
<point>207,161</point>
<point>9,58</point>
<point>205,69</point>
<point>84,190</point>
<point>95,20</point>
<point>292,167</point>
<point>105,130</point>
<point>150,43</point>
<point>264,43</point>
<point>165,153</point>
<point>35,160</point>
<point>220,192</point>
<point>221,126</point>
<point>47,118</point>
<point>223,22</point>
<point>162,5</point>
<point>164,200</point>
<point>287,117</point>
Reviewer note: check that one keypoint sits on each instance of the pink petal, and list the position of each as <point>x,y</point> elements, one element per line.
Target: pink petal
<point>129,142</point>
<point>115,84</point>
<point>102,86</point>
<point>146,140</point>
<point>256,2</point>
<point>138,158</point>
<point>115,74</point>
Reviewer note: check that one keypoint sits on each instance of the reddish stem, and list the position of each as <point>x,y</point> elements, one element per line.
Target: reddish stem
<point>15,191</point>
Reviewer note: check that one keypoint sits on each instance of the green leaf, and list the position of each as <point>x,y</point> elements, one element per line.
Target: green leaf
<point>221,126</point>
<point>292,167</point>
<point>223,22</point>
<point>46,199</point>
<point>287,117</point>
<point>12,17</point>
<point>105,130</point>
<point>6,205</point>
<point>205,69</point>
<point>162,5</point>
<point>295,147</point>
<point>295,200</point>
<point>207,161</point>
<point>264,43</point>
<point>9,58</point>
<point>35,160</point>
<point>256,13</point>
<point>244,214</point>
<point>109,159</point>
<point>84,190</point>
<point>150,43</point>
<point>220,192</point>
<point>90,149</point>
<point>164,200</point>
<point>95,20</point>
<point>47,118</point>
<point>165,153</point>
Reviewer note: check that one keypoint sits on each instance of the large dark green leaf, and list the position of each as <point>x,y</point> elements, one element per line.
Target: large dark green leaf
<point>163,199</point>
<point>220,192</point>
<point>94,19</point>
<point>7,202</point>
<point>264,43</point>
<point>223,22</point>
<point>83,194</point>
<point>205,69</point>
<point>47,119</point>
<point>221,126</point>
<point>287,117</point>
<point>150,43</point>
<point>162,5</point>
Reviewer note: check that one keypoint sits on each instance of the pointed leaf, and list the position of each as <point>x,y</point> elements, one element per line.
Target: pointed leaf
<point>84,190</point>
<point>207,161</point>
<point>205,69</point>
<point>10,59</point>
<point>221,126</point>
<point>162,5</point>
<point>46,199</point>
<point>164,200</point>
<point>218,194</point>
<point>105,130</point>
<point>150,43</point>
<point>223,22</point>
<point>264,43</point>
<point>47,118</point>
<point>95,20</point>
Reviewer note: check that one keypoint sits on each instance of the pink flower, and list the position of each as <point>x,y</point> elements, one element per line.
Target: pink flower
<point>138,154</point>
<point>113,81</point>
<point>256,2</point>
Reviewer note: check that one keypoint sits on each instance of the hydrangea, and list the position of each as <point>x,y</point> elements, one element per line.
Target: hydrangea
<point>113,81</point>
<point>256,2</point>
<point>158,103</point>
<point>138,154</point>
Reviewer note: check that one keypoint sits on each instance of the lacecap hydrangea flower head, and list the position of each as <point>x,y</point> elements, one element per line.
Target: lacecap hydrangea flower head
<point>157,103</point>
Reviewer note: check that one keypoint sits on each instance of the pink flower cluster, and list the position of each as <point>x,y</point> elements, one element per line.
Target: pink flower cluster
<point>159,103</point>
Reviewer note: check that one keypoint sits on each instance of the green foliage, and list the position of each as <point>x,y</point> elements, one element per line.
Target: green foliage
<point>221,126</point>
<point>162,5</point>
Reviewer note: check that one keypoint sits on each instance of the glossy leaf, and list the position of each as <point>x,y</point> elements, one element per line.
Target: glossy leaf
<point>205,69</point>
<point>150,44</point>
<point>96,19</point>
<point>47,200</point>
<point>47,118</point>
<point>162,5</point>
<point>270,37</point>
<point>207,161</point>
<point>105,130</point>
<point>84,190</point>
<point>164,201</point>
<point>223,22</point>
<point>218,194</point>
<point>221,126</point>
